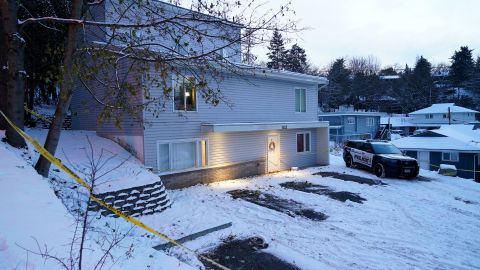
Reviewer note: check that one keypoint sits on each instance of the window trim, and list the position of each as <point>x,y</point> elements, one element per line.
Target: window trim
<point>309,142</point>
<point>370,121</point>
<point>174,84</point>
<point>197,154</point>
<point>295,99</point>
<point>450,156</point>
<point>351,117</point>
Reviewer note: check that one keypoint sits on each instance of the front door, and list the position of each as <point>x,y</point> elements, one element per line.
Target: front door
<point>424,160</point>
<point>273,153</point>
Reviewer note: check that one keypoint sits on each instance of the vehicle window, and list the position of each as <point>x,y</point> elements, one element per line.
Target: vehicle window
<point>386,149</point>
<point>365,147</point>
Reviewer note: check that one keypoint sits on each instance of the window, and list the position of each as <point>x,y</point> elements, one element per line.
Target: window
<point>350,120</point>
<point>185,94</point>
<point>444,115</point>
<point>450,156</point>
<point>370,121</point>
<point>182,155</point>
<point>303,142</point>
<point>429,116</point>
<point>300,100</point>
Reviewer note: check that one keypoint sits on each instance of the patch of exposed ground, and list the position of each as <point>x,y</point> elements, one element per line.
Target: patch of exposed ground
<point>289,207</point>
<point>465,201</point>
<point>308,187</point>
<point>351,178</point>
<point>245,254</point>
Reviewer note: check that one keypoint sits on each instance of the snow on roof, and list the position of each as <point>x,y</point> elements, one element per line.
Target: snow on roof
<point>458,137</point>
<point>390,77</point>
<point>443,108</point>
<point>347,113</point>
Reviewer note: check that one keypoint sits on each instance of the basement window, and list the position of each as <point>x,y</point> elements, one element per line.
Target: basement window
<point>450,156</point>
<point>182,155</point>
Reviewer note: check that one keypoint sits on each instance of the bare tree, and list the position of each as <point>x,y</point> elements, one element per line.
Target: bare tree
<point>367,66</point>
<point>107,237</point>
<point>143,34</point>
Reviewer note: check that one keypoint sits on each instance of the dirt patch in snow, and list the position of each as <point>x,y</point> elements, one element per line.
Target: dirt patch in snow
<point>289,207</point>
<point>245,254</point>
<point>351,178</point>
<point>465,201</point>
<point>308,187</point>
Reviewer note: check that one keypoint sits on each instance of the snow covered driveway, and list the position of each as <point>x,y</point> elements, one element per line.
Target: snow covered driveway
<point>401,225</point>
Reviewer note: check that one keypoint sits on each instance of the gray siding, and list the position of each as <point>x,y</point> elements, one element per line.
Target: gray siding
<point>251,99</point>
<point>85,110</point>
<point>215,34</point>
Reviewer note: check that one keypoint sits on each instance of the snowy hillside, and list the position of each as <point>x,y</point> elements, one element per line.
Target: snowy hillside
<point>31,212</point>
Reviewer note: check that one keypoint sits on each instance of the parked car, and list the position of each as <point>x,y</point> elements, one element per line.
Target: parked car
<point>380,157</point>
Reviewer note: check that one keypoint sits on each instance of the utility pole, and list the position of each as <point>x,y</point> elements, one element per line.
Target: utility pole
<point>449,117</point>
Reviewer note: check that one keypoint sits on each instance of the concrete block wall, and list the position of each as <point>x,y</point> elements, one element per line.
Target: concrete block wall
<point>209,175</point>
<point>135,201</point>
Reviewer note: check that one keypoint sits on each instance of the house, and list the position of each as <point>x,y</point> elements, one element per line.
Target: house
<point>347,123</point>
<point>457,145</point>
<point>431,117</point>
<point>269,124</point>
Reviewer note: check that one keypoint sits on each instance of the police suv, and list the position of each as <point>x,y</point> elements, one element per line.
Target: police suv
<point>381,157</point>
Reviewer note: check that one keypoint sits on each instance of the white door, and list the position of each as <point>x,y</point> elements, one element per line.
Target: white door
<point>424,160</point>
<point>273,153</point>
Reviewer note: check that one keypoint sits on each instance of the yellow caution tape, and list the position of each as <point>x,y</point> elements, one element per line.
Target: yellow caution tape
<point>457,169</point>
<point>42,151</point>
<point>37,114</point>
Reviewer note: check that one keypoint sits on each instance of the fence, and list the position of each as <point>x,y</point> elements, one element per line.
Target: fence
<point>339,139</point>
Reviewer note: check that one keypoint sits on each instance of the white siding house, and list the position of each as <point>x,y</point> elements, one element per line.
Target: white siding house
<point>269,124</point>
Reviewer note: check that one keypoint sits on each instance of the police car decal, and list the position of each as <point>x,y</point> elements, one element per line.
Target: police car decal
<point>361,157</point>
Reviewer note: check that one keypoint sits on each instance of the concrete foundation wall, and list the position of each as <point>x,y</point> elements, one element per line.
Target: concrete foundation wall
<point>209,175</point>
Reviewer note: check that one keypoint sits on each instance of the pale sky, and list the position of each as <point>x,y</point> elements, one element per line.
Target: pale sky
<point>395,31</point>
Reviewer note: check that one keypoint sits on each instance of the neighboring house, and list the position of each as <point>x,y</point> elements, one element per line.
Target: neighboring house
<point>457,145</point>
<point>271,125</point>
<point>432,117</point>
<point>348,124</point>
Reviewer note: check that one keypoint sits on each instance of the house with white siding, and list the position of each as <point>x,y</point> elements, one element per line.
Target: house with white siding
<point>269,124</point>
<point>432,117</point>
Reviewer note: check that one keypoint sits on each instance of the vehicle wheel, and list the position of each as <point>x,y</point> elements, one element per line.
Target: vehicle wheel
<point>349,161</point>
<point>379,170</point>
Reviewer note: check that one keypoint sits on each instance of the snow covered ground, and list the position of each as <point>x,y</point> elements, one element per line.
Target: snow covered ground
<point>402,225</point>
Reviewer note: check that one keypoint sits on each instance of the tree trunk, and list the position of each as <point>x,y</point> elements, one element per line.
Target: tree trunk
<point>15,77</point>
<point>66,91</point>
<point>3,73</point>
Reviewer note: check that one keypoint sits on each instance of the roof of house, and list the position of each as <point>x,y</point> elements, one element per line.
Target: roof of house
<point>443,108</point>
<point>350,113</point>
<point>447,137</point>
<point>277,73</point>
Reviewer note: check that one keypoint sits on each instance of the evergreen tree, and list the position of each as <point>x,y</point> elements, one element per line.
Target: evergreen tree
<point>338,91</point>
<point>421,84</point>
<point>277,53</point>
<point>462,67</point>
<point>296,59</point>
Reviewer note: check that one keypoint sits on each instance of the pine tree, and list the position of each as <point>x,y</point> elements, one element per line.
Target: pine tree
<point>296,59</point>
<point>339,87</point>
<point>277,51</point>
<point>421,84</point>
<point>462,67</point>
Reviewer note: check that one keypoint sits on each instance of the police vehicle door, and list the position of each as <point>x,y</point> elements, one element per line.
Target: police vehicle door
<point>363,155</point>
